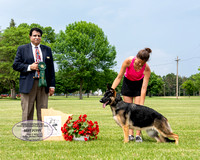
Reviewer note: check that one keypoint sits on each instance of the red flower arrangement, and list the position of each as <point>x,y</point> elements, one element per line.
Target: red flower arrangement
<point>80,127</point>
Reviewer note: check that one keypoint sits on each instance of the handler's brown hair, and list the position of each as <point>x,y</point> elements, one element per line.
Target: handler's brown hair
<point>144,54</point>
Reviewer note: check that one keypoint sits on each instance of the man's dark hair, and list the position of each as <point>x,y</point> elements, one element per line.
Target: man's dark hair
<point>35,29</point>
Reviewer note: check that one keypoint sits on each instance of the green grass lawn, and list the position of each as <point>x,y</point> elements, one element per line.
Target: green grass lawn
<point>183,115</point>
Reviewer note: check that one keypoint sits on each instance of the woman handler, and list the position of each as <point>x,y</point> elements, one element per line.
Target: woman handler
<point>136,74</point>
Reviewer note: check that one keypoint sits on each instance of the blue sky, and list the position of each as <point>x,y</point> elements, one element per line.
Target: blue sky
<point>170,28</point>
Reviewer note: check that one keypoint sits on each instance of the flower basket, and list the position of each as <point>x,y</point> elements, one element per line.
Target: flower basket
<point>73,130</point>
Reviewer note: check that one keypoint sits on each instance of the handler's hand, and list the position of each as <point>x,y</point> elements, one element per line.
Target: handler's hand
<point>34,66</point>
<point>51,91</point>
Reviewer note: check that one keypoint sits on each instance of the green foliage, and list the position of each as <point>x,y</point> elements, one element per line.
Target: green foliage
<point>11,39</point>
<point>155,84</point>
<point>170,84</point>
<point>196,79</point>
<point>12,23</point>
<point>192,84</point>
<point>105,78</point>
<point>82,51</point>
<point>189,87</point>
<point>4,89</point>
<point>64,83</point>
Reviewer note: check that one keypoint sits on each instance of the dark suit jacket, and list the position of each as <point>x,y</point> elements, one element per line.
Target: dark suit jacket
<point>24,58</point>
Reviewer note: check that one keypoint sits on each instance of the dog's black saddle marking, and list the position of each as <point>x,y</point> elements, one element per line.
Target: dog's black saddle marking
<point>141,116</point>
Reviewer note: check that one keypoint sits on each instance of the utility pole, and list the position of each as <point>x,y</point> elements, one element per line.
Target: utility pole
<point>177,78</point>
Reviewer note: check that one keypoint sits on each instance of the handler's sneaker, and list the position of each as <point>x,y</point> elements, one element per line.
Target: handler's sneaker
<point>138,139</point>
<point>131,138</point>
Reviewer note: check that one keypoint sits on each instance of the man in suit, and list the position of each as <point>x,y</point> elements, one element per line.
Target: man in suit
<point>26,62</point>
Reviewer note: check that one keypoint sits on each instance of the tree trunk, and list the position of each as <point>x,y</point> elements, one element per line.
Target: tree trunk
<point>150,95</point>
<point>80,91</point>
<point>88,95</point>
<point>13,94</point>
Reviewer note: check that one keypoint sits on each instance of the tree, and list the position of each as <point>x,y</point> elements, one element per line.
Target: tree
<point>196,79</point>
<point>83,51</point>
<point>101,80</point>
<point>4,88</point>
<point>12,23</point>
<point>155,84</point>
<point>106,78</point>
<point>64,84</point>
<point>189,87</point>
<point>11,39</point>
<point>170,84</point>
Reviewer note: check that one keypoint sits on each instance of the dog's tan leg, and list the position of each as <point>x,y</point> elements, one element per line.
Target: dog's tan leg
<point>162,139</point>
<point>176,139</point>
<point>174,136</point>
<point>124,124</point>
<point>126,131</point>
<point>170,135</point>
<point>164,129</point>
<point>159,139</point>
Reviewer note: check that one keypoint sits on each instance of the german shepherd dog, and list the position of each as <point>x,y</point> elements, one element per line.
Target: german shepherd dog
<point>133,116</point>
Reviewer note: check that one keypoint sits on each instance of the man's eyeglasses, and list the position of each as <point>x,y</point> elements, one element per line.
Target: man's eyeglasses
<point>36,35</point>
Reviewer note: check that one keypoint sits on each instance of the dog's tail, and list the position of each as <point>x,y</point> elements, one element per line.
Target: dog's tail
<point>153,133</point>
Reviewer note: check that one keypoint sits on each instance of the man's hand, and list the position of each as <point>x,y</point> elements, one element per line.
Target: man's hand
<point>51,91</point>
<point>34,66</point>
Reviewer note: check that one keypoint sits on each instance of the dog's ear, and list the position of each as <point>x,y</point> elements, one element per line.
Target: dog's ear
<point>118,97</point>
<point>108,87</point>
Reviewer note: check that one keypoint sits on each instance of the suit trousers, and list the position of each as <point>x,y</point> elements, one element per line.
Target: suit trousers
<point>38,96</point>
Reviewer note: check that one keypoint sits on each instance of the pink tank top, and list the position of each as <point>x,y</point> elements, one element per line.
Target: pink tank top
<point>132,74</point>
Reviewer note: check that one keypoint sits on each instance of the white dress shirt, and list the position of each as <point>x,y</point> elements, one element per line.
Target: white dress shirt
<point>33,49</point>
